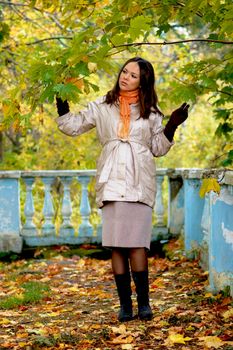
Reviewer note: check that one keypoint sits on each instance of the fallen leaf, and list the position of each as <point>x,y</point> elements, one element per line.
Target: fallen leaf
<point>212,341</point>
<point>119,330</point>
<point>171,310</point>
<point>122,340</point>
<point>127,346</point>
<point>5,321</point>
<point>208,185</point>
<point>228,314</point>
<point>176,338</point>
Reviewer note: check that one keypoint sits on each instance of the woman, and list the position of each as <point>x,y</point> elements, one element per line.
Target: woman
<point>129,127</point>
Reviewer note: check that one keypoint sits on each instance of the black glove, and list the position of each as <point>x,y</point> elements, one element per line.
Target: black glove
<point>177,117</point>
<point>62,106</point>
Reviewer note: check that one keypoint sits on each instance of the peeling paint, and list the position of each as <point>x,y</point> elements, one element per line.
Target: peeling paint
<point>225,196</point>
<point>218,281</point>
<point>227,234</point>
<point>10,242</point>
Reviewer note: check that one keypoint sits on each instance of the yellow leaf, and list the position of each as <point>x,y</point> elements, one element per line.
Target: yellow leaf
<point>81,263</point>
<point>73,289</point>
<point>119,330</point>
<point>96,326</point>
<point>92,66</point>
<point>190,328</point>
<point>209,295</point>
<point>36,331</point>
<point>45,279</point>
<point>228,314</point>
<point>176,338</point>
<point>209,185</point>
<point>5,321</point>
<point>22,335</point>
<point>22,344</point>
<point>127,346</point>
<point>212,341</point>
<point>163,323</point>
<point>122,340</point>
<point>171,310</point>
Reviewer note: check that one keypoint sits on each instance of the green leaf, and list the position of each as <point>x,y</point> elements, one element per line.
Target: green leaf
<point>224,128</point>
<point>229,160</point>
<point>94,87</point>
<point>4,31</point>
<point>138,25</point>
<point>208,82</point>
<point>118,39</point>
<point>68,91</point>
<point>81,69</point>
<point>222,113</point>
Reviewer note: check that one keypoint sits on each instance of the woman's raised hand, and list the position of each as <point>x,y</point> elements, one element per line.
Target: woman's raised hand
<point>179,115</point>
<point>62,106</point>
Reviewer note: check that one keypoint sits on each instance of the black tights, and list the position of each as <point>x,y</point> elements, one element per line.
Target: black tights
<point>125,258</point>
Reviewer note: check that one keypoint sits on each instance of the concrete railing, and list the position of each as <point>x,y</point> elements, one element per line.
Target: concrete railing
<point>21,223</point>
<point>40,208</point>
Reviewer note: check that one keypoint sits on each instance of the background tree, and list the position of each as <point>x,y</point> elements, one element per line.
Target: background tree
<point>73,49</point>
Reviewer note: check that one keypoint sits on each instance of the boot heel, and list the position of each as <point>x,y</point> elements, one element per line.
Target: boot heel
<point>126,313</point>
<point>145,313</point>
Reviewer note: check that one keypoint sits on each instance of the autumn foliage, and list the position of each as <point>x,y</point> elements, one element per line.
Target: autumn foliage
<point>78,309</point>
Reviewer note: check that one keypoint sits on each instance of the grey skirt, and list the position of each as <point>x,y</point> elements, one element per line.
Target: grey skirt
<point>126,225</point>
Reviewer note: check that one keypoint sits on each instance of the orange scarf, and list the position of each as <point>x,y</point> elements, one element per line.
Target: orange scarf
<point>126,98</point>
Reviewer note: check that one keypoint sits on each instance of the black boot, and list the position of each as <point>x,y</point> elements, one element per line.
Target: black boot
<point>124,293</point>
<point>142,290</point>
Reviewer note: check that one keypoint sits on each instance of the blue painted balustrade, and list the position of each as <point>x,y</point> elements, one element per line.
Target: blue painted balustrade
<point>70,230</point>
<point>68,214</point>
<point>66,233</point>
<point>220,236</point>
<point>208,226</point>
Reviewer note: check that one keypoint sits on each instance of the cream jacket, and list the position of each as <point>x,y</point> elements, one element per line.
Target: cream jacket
<point>125,168</point>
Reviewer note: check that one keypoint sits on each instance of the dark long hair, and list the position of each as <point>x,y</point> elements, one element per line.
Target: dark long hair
<point>147,96</point>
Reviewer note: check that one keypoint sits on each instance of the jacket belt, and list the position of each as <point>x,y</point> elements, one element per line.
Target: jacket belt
<point>110,160</point>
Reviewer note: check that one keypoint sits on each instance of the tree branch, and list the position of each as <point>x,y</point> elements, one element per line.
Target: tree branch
<point>51,38</point>
<point>176,42</point>
<point>224,92</point>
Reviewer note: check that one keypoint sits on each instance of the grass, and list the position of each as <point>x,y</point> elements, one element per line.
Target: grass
<point>33,292</point>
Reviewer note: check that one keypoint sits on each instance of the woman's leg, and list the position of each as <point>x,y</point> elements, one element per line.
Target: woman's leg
<point>139,267</point>
<point>120,267</point>
<point>138,259</point>
<point>120,261</point>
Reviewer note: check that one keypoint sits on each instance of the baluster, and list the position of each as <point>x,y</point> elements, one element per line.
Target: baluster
<point>159,208</point>
<point>205,225</point>
<point>85,229</point>
<point>175,205</point>
<point>48,211</point>
<point>66,230</point>
<point>29,228</point>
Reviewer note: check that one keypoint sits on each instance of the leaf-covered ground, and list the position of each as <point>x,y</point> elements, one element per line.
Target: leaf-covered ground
<point>79,309</point>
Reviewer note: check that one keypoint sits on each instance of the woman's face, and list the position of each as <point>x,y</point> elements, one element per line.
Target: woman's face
<point>129,79</point>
